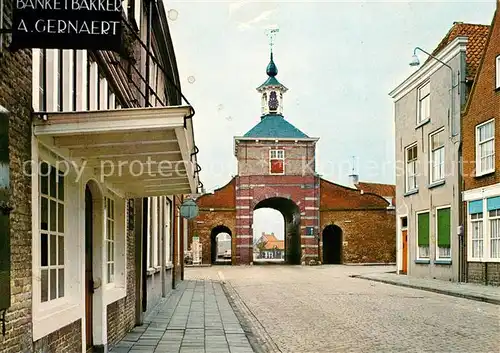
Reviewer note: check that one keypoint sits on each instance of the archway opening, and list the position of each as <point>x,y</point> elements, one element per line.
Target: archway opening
<point>332,245</point>
<point>290,245</point>
<point>268,236</point>
<point>220,245</point>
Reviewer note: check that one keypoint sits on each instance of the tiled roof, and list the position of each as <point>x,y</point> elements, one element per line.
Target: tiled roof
<point>271,81</point>
<point>477,35</point>
<point>275,126</point>
<point>384,190</point>
<point>278,244</point>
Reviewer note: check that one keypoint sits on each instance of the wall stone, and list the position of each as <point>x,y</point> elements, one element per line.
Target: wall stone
<point>121,314</point>
<point>369,236</point>
<point>67,339</point>
<point>15,96</point>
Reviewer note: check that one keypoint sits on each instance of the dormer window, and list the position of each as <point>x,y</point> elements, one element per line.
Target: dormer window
<point>277,161</point>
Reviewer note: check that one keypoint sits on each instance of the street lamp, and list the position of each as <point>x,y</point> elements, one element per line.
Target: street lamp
<point>416,62</point>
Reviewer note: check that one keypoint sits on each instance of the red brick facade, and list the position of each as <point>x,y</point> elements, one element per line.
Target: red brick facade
<point>367,225</point>
<point>483,106</point>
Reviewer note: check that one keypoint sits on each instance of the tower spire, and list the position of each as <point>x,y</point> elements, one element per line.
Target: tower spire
<point>271,69</point>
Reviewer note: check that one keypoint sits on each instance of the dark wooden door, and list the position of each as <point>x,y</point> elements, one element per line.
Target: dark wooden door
<point>89,285</point>
<point>405,251</point>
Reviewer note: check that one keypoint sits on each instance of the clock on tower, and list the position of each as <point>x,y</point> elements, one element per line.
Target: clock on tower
<point>273,101</point>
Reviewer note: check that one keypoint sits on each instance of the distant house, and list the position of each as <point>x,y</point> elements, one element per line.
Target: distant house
<point>269,247</point>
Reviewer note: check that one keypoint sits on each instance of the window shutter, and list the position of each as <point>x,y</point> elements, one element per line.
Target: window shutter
<point>423,229</point>
<point>277,166</point>
<point>444,230</point>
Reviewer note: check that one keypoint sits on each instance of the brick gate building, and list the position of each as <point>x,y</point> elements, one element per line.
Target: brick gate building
<point>276,169</point>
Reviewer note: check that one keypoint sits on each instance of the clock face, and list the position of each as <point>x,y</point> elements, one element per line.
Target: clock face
<point>273,101</point>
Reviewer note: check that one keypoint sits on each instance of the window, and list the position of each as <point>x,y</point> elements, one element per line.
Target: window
<point>110,240</point>
<point>497,65</point>
<point>277,159</point>
<point>423,235</point>
<point>424,107</point>
<point>494,218</point>
<point>437,156</point>
<point>484,229</point>
<point>443,219</point>
<point>411,168</point>
<point>485,148</point>
<point>51,191</point>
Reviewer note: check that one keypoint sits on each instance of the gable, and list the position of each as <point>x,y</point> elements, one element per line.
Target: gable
<point>224,197</point>
<point>334,196</point>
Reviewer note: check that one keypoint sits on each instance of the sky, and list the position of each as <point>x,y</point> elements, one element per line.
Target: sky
<point>339,60</point>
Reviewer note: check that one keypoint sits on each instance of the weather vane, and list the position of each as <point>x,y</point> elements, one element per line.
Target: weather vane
<point>271,34</point>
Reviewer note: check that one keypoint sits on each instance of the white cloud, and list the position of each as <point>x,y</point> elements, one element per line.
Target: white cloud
<point>263,16</point>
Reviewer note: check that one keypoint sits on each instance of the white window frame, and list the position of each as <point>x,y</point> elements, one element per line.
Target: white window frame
<point>49,233</point>
<point>436,228</point>
<point>423,95</point>
<point>490,220</point>
<point>497,72</point>
<point>414,174</point>
<point>471,220</point>
<point>428,257</point>
<point>479,171</point>
<point>167,211</point>
<point>277,156</point>
<point>110,239</point>
<point>433,163</point>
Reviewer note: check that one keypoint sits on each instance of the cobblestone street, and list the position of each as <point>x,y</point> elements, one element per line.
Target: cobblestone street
<point>321,309</point>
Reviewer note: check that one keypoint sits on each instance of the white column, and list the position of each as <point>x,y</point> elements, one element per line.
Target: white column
<point>81,80</point>
<point>68,80</point>
<point>154,234</point>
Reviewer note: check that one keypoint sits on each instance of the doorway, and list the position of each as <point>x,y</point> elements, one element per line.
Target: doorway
<point>404,241</point>
<point>332,245</point>
<point>89,282</point>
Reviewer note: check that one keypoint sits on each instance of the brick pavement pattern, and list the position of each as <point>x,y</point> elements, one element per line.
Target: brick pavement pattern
<point>322,310</point>
<point>196,318</point>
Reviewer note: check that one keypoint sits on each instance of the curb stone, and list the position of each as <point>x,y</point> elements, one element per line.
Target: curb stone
<point>257,335</point>
<point>435,290</point>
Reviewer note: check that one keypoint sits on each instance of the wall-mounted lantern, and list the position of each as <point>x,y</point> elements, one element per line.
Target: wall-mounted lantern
<point>189,209</point>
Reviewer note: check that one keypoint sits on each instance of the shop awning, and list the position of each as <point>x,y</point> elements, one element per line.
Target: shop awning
<point>139,152</point>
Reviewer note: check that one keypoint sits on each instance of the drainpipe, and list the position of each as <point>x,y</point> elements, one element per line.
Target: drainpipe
<point>145,215</point>
<point>163,203</point>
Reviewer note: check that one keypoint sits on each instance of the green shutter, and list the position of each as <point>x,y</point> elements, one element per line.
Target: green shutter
<point>423,229</point>
<point>443,227</point>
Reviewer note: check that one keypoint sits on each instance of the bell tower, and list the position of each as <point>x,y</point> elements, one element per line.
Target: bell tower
<point>272,90</point>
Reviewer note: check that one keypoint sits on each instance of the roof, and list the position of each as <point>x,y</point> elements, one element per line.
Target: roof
<point>377,189</point>
<point>275,126</point>
<point>278,244</point>
<point>271,81</point>
<point>477,35</point>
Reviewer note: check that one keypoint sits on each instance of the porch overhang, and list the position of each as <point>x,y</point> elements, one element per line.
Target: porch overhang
<point>139,152</point>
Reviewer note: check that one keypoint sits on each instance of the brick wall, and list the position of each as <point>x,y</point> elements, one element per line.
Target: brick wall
<point>15,95</point>
<point>484,273</point>
<point>253,158</point>
<point>484,104</point>
<point>67,339</point>
<point>121,314</point>
<point>369,236</point>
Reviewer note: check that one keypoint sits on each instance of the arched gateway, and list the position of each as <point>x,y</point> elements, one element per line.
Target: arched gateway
<point>276,169</point>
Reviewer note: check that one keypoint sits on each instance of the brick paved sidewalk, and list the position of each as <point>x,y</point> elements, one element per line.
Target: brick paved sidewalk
<point>196,318</point>
<point>471,291</point>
